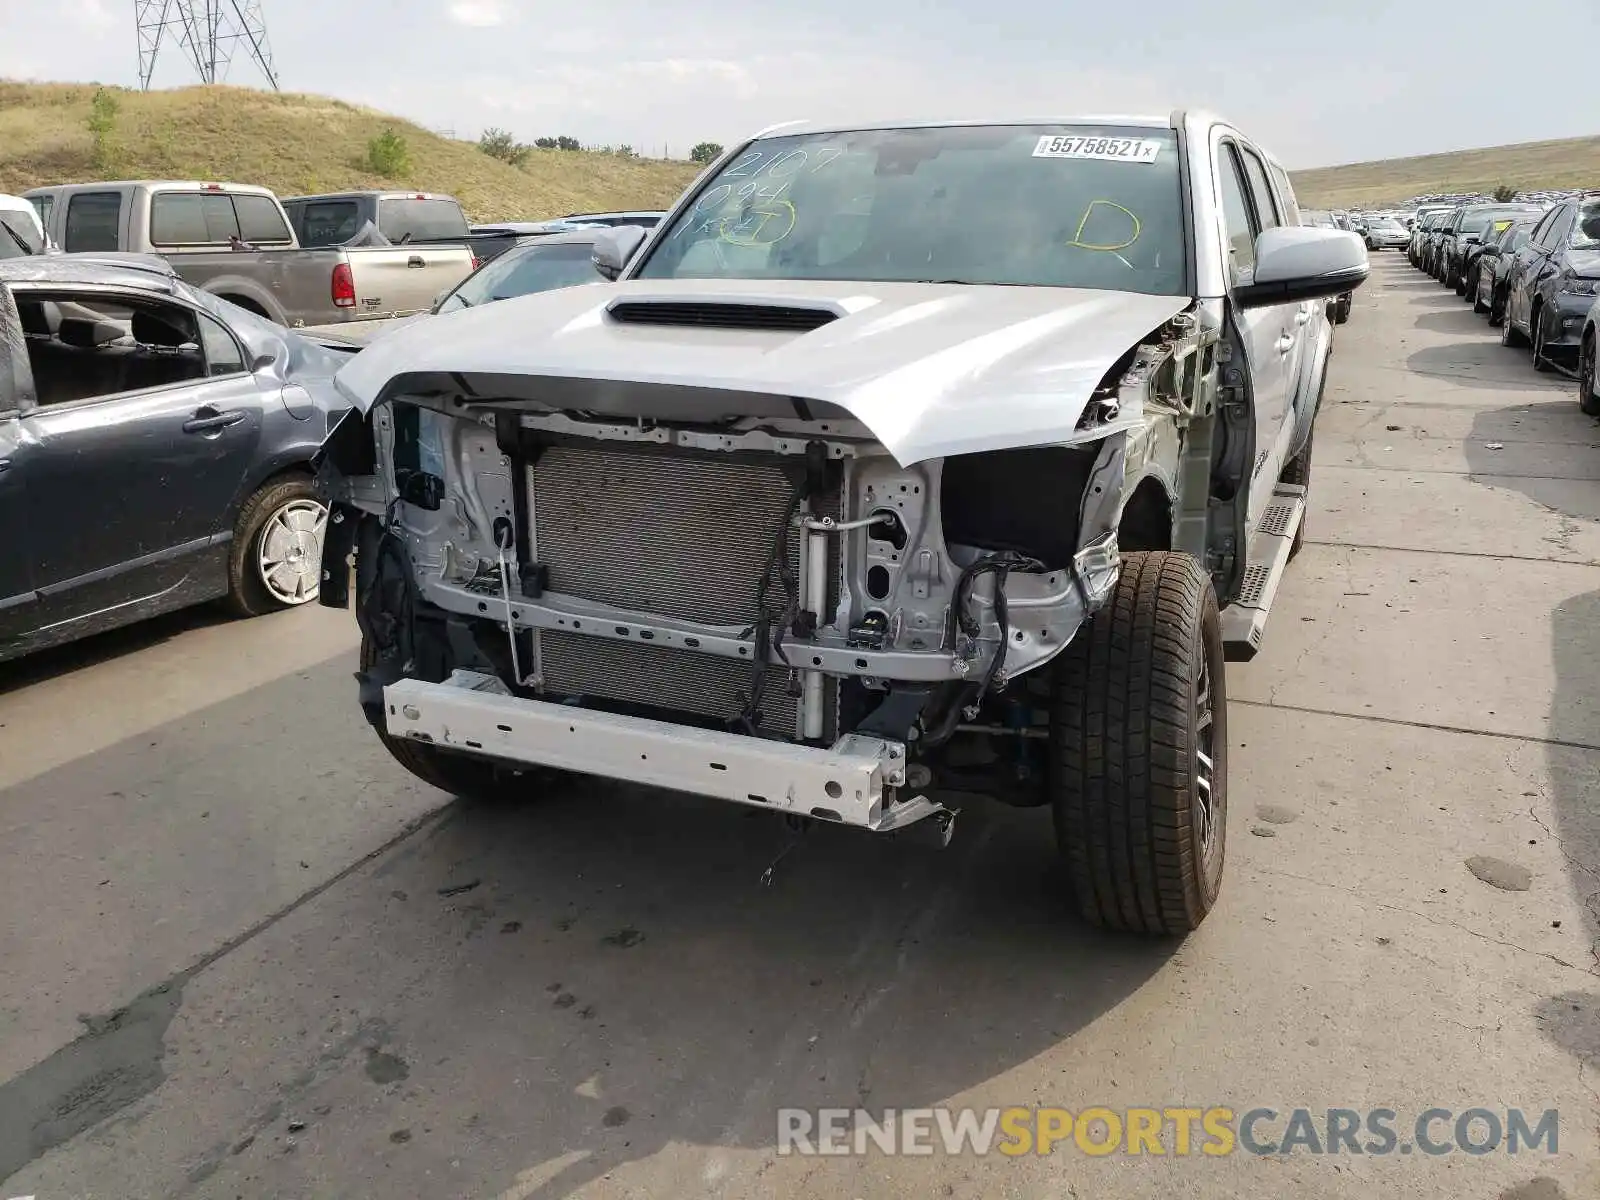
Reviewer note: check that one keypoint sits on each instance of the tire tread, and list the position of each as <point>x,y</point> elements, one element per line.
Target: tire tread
<point>1123,749</point>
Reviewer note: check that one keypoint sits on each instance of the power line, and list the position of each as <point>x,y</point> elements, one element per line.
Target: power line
<point>208,32</point>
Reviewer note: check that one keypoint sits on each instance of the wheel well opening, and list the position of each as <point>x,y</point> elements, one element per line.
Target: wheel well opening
<point>245,303</point>
<point>1146,522</point>
<point>1024,500</point>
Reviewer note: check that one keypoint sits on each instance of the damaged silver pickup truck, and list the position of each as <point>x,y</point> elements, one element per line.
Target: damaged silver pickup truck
<point>897,464</point>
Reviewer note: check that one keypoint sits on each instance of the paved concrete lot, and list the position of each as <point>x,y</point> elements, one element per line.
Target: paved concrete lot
<point>245,955</point>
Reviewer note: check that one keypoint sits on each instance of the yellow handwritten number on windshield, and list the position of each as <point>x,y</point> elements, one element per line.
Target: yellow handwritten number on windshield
<point>1077,237</point>
<point>764,225</point>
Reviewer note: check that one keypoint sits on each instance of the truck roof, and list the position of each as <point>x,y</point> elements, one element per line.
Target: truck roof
<point>374,194</point>
<point>159,185</point>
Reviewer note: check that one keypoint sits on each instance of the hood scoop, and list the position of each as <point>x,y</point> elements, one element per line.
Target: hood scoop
<point>721,314</point>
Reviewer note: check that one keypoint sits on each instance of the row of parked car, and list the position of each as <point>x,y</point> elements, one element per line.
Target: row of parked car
<point>334,259</point>
<point>1532,270</point>
<point>142,342</point>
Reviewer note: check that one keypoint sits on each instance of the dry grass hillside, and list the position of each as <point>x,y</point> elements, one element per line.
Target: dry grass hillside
<point>296,144</point>
<point>1573,162</point>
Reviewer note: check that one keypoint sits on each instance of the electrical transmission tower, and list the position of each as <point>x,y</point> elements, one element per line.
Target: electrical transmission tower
<point>210,32</point>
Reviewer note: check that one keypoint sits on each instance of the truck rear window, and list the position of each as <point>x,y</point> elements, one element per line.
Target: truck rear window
<point>423,220</point>
<point>94,220</point>
<point>327,222</point>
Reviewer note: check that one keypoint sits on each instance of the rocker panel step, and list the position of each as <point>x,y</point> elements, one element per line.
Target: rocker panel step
<point>1244,622</point>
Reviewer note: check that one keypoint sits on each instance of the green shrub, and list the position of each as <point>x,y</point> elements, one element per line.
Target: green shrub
<point>102,124</point>
<point>388,155</point>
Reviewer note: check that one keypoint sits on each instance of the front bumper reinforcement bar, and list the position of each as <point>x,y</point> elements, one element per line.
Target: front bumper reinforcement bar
<point>857,781</point>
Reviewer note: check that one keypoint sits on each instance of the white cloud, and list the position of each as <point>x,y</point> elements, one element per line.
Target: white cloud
<point>90,14</point>
<point>480,14</point>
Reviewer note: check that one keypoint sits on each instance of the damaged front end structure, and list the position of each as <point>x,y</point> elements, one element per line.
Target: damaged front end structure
<point>764,609</point>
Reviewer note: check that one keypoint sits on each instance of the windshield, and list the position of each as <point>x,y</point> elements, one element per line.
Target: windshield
<point>523,271</point>
<point>1040,205</point>
<point>1490,218</point>
<point>11,244</point>
<point>422,220</point>
<point>1586,230</point>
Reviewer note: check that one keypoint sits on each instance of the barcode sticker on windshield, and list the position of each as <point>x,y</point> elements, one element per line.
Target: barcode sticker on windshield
<point>1109,149</point>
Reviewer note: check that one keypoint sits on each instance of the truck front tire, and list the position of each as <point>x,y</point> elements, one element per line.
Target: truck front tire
<point>463,775</point>
<point>1139,751</point>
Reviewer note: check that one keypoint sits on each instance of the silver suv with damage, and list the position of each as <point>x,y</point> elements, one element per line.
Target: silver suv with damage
<point>898,464</point>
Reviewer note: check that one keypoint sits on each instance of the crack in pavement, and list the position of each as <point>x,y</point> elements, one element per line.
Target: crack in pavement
<point>1497,557</point>
<point>1365,898</point>
<point>1440,728</point>
<point>118,1058</point>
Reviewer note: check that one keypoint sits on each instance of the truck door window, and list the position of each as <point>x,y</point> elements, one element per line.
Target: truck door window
<point>1291,206</point>
<point>329,222</point>
<point>191,219</point>
<point>45,205</point>
<point>1266,203</point>
<point>1236,219</point>
<point>259,219</point>
<point>86,347</point>
<point>94,221</point>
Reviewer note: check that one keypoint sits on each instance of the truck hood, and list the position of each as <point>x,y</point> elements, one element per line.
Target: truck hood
<point>930,369</point>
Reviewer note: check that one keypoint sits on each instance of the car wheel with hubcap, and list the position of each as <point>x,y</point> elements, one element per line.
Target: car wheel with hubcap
<point>1588,400</point>
<point>276,558</point>
<point>1139,751</point>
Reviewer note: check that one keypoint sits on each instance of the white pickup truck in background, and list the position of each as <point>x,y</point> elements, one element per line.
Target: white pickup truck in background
<point>234,241</point>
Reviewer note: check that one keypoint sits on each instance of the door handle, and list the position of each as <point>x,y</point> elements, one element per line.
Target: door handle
<point>416,260</point>
<point>1302,316</point>
<point>5,464</point>
<point>209,420</point>
<point>1285,343</point>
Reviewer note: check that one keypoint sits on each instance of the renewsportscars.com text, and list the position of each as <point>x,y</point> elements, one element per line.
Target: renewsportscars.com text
<point>1176,1131</point>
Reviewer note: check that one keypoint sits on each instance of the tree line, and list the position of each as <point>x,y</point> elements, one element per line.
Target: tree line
<point>501,144</point>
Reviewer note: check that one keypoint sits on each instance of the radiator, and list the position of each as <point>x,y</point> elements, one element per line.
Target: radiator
<point>680,535</point>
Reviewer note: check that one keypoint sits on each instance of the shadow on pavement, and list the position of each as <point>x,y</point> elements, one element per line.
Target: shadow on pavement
<point>674,999</point>
<point>599,973</point>
<point>1572,1019</point>
<point>1481,363</point>
<point>1551,422</point>
<point>102,647</point>
<point>1453,321</point>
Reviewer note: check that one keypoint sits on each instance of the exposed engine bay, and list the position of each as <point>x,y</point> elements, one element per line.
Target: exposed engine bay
<point>766,608</point>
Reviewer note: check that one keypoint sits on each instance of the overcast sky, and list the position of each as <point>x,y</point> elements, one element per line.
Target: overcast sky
<point>1318,82</point>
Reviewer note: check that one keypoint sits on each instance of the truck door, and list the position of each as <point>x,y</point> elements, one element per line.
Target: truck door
<point>1270,334</point>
